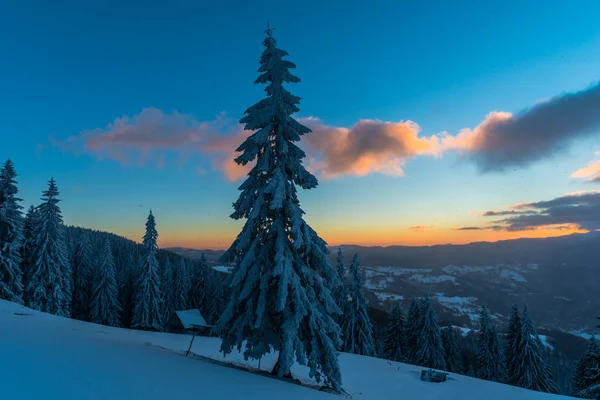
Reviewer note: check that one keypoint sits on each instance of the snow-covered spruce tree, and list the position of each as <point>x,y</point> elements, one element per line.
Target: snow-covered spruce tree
<point>27,245</point>
<point>49,278</point>
<point>413,329</point>
<point>183,285</point>
<point>490,361</point>
<point>83,267</point>
<point>127,279</point>
<point>11,236</point>
<point>394,347</point>
<point>167,291</point>
<point>585,368</point>
<point>198,289</point>
<point>105,308</point>
<point>454,361</point>
<point>147,313</point>
<point>357,327</point>
<point>511,348</point>
<point>341,295</point>
<point>531,370</point>
<point>215,301</point>
<point>280,297</point>
<point>430,349</point>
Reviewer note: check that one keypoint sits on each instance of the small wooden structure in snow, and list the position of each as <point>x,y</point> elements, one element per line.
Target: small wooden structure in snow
<point>430,375</point>
<point>190,320</point>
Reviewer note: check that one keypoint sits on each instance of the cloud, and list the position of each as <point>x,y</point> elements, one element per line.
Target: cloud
<point>367,147</point>
<point>420,228</point>
<point>502,140</point>
<point>505,140</point>
<point>591,173</point>
<point>152,133</point>
<point>579,210</point>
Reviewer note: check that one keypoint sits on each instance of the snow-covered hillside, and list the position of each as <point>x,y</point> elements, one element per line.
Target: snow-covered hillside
<point>44,356</point>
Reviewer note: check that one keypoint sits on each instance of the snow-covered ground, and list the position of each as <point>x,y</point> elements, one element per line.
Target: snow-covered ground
<point>44,356</point>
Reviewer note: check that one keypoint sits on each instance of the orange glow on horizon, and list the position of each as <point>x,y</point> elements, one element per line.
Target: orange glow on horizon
<point>380,237</point>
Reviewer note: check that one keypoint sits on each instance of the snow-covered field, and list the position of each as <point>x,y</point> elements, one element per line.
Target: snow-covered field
<point>49,357</point>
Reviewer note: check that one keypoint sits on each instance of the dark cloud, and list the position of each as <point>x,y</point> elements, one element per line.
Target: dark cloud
<point>574,210</point>
<point>504,140</point>
<point>493,213</point>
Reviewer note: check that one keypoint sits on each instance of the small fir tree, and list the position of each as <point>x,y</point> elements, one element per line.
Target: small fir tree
<point>490,362</point>
<point>49,279</point>
<point>358,328</point>
<point>531,370</point>
<point>104,306</point>
<point>11,236</point>
<point>430,349</point>
<point>394,347</point>
<point>454,362</point>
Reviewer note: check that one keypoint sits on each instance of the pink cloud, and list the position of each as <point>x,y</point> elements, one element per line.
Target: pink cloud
<point>591,172</point>
<point>421,228</point>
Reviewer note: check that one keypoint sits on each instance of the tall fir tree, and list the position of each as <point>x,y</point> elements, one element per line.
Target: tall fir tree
<point>511,349</point>
<point>394,347</point>
<point>49,279</point>
<point>167,291</point>
<point>357,327</point>
<point>531,370</point>
<point>147,313</point>
<point>490,360</point>
<point>82,266</point>
<point>105,308</point>
<point>454,362</point>
<point>583,378</point>
<point>280,297</point>
<point>413,328</point>
<point>11,236</point>
<point>430,349</point>
<point>183,285</point>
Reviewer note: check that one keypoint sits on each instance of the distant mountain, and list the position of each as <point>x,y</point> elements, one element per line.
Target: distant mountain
<point>557,277</point>
<point>194,254</point>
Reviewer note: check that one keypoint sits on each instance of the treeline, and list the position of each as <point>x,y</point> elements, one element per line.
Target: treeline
<point>417,338</point>
<point>95,276</point>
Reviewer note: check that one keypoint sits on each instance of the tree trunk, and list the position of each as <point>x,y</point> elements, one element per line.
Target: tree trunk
<point>276,369</point>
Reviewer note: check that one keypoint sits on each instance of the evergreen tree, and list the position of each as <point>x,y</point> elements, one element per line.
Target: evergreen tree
<point>182,286</point>
<point>357,328</point>
<point>583,378</point>
<point>215,303</point>
<point>513,341</point>
<point>28,244</point>
<point>198,290</point>
<point>148,310</point>
<point>127,279</point>
<point>413,329</point>
<point>454,361</point>
<point>341,295</point>
<point>490,362</point>
<point>82,279</point>
<point>104,305</point>
<point>430,349</point>
<point>280,297</point>
<point>531,369</point>
<point>394,347</point>
<point>167,291</point>
<point>48,286</point>
<point>11,236</point>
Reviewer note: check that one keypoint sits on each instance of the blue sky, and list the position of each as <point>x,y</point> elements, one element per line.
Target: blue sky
<point>70,68</point>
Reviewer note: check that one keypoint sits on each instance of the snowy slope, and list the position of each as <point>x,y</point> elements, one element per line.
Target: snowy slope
<point>45,356</point>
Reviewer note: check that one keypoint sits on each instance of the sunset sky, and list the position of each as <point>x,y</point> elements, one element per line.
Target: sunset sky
<point>442,122</point>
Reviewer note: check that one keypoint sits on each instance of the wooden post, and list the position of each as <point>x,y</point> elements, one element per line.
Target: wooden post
<point>191,341</point>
